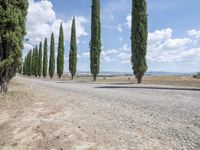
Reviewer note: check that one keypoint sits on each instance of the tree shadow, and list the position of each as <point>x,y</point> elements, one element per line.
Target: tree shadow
<point>148,88</point>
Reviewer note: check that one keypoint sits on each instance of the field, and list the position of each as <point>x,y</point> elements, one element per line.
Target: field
<point>187,81</point>
<point>113,113</point>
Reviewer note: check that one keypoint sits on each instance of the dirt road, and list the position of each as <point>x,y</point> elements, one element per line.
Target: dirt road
<point>56,115</point>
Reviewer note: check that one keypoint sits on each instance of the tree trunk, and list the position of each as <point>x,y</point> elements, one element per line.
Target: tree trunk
<point>4,87</point>
<point>94,78</point>
<point>139,78</point>
<point>72,77</point>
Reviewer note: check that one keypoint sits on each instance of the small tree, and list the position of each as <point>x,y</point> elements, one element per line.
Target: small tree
<point>12,31</point>
<point>45,59</point>
<point>40,60</point>
<point>52,57</point>
<point>73,51</point>
<point>60,57</point>
<point>95,43</point>
<point>139,34</point>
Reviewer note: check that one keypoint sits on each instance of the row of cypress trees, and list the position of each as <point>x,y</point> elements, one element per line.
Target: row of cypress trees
<point>35,59</point>
<point>36,63</point>
<point>139,34</point>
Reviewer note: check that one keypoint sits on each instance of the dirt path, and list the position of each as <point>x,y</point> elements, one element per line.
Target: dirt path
<point>48,115</point>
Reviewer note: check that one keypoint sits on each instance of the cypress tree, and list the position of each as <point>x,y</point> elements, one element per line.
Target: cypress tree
<point>73,51</point>
<point>45,59</point>
<point>29,63</point>
<point>139,34</point>
<point>12,31</point>
<point>24,66</point>
<point>40,60</point>
<point>60,57</point>
<point>33,63</point>
<point>20,69</point>
<point>36,62</point>
<point>52,57</point>
<point>95,43</point>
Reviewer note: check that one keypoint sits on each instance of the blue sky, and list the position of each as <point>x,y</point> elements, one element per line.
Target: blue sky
<point>174,32</point>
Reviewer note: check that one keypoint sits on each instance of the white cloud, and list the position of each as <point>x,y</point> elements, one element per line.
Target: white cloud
<point>107,59</point>
<point>129,19</point>
<point>163,48</point>
<point>174,44</point>
<point>124,56</point>
<point>195,33</point>
<point>111,51</point>
<point>42,21</point>
<point>159,36</point>
<point>86,55</point>
<point>125,47</point>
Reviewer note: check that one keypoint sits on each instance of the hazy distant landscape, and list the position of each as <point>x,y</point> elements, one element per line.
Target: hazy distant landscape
<point>159,73</point>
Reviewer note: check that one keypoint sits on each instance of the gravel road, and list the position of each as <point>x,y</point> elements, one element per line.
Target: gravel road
<point>104,116</point>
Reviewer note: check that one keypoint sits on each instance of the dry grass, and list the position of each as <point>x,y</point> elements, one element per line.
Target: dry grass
<point>164,80</point>
<point>173,80</point>
<point>160,80</point>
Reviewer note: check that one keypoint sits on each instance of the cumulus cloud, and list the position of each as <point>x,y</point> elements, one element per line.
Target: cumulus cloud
<point>42,21</point>
<point>163,48</point>
<point>122,54</point>
<point>159,36</point>
<point>195,33</point>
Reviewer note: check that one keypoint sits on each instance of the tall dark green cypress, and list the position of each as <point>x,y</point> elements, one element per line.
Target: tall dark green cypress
<point>95,43</point>
<point>33,63</point>
<point>40,60</point>
<point>23,70</point>
<point>24,66</point>
<point>45,59</point>
<point>29,63</point>
<point>60,57</point>
<point>36,62</point>
<point>52,57</point>
<point>139,35</point>
<point>73,51</point>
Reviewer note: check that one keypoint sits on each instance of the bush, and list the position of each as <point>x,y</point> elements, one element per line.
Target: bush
<point>197,75</point>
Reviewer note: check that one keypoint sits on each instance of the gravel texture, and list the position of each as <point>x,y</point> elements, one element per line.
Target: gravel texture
<point>82,115</point>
